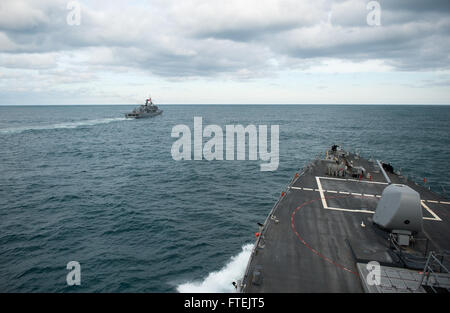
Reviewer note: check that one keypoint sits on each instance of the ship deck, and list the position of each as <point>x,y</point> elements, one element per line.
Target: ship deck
<point>321,228</point>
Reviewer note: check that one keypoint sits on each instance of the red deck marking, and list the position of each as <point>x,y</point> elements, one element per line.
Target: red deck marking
<point>307,245</point>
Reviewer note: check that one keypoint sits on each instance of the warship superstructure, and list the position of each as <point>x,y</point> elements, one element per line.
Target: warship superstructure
<point>348,224</point>
<point>145,110</point>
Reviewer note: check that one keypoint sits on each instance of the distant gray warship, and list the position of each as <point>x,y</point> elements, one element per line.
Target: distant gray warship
<point>347,224</point>
<point>145,110</point>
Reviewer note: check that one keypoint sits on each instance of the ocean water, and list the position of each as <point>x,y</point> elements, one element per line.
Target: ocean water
<point>82,183</point>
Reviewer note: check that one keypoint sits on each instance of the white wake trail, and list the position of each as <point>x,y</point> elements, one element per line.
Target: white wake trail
<point>13,130</point>
<point>221,281</point>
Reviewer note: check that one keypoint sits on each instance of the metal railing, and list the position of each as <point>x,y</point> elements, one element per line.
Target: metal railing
<point>393,243</point>
<point>434,265</point>
<point>244,281</point>
<point>386,177</point>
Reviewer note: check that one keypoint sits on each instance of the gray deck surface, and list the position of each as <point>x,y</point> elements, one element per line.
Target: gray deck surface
<point>309,248</point>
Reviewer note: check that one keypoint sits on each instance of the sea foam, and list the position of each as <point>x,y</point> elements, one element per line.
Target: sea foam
<point>13,130</point>
<point>221,281</point>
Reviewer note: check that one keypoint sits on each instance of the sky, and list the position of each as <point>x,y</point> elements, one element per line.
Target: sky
<point>225,52</point>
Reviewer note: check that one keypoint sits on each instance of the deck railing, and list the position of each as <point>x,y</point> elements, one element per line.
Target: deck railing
<point>433,266</point>
<point>244,281</point>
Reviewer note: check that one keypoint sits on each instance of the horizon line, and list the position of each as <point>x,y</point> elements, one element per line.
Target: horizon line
<point>236,104</point>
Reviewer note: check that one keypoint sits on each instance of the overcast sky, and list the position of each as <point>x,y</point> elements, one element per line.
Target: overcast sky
<point>230,51</point>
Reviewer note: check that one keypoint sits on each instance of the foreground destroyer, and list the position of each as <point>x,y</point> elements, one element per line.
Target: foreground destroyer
<point>347,224</point>
<point>145,110</point>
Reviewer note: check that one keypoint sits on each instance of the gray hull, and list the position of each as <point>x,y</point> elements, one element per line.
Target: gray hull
<point>143,114</point>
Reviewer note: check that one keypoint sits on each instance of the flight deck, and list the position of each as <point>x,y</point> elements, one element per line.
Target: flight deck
<point>320,236</point>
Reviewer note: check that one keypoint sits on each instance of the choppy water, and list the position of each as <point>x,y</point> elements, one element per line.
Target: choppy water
<point>82,183</point>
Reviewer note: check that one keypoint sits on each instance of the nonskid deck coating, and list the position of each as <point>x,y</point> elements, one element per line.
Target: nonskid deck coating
<point>304,248</point>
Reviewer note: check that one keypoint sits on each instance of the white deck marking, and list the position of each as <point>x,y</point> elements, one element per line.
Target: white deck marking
<point>322,197</point>
<point>438,202</point>
<point>325,204</point>
<point>349,210</point>
<point>436,218</point>
<point>358,194</point>
<point>354,180</point>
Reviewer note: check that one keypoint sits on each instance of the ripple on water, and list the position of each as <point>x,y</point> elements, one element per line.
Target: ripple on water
<point>95,188</point>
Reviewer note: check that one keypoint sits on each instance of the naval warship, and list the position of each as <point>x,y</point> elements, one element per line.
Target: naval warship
<point>349,224</point>
<point>145,110</point>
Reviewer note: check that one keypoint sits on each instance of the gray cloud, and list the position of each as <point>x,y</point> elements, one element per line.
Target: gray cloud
<point>418,6</point>
<point>28,60</point>
<point>196,38</point>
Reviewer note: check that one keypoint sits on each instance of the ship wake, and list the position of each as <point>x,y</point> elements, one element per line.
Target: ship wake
<point>221,281</point>
<point>67,125</point>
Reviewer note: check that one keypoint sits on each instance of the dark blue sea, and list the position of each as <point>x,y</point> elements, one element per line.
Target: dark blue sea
<point>82,183</point>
